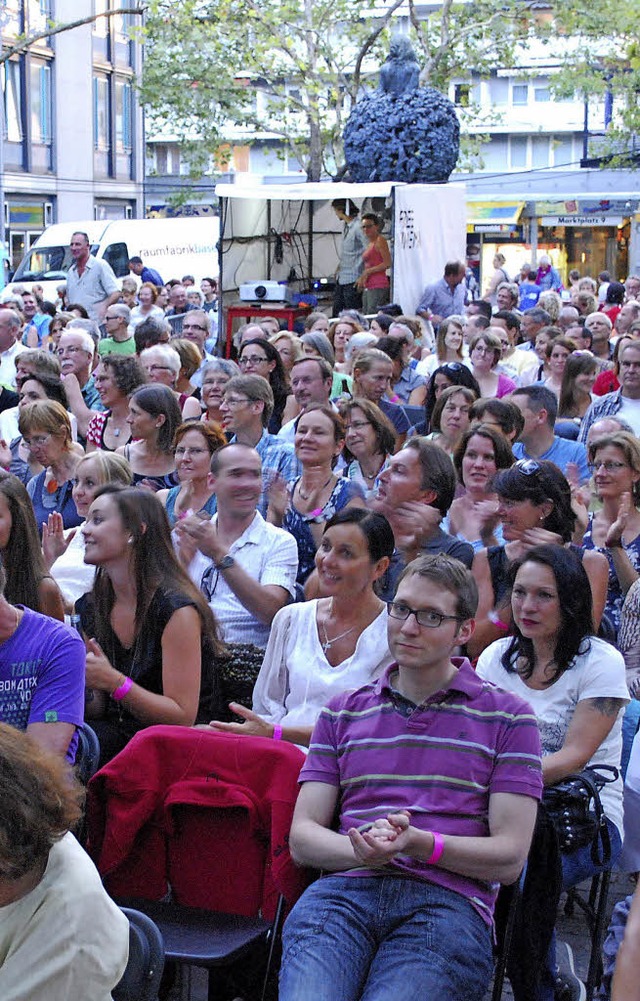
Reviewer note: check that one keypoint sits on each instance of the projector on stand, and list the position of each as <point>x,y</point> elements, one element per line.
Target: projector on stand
<point>264,291</point>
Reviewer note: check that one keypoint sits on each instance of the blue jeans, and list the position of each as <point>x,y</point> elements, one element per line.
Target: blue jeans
<point>630,722</point>
<point>576,867</point>
<point>373,938</point>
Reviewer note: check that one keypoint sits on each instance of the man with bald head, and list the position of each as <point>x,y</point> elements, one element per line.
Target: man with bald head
<point>567,317</point>
<point>627,315</point>
<point>606,426</point>
<point>600,327</point>
<point>251,332</point>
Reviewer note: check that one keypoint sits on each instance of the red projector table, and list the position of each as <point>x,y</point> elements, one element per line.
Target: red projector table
<point>248,309</point>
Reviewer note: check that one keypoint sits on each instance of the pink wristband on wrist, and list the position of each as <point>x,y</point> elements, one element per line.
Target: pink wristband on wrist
<point>438,848</point>
<point>277,732</point>
<point>122,690</point>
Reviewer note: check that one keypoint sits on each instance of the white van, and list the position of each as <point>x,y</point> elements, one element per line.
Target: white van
<point>173,247</point>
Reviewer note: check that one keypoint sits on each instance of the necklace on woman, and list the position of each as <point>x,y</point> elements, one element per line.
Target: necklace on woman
<point>323,487</point>
<point>327,642</point>
<point>115,431</point>
<point>372,476</point>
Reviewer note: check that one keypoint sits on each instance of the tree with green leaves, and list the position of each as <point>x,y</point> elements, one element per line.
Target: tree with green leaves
<point>293,68</point>
<point>289,68</point>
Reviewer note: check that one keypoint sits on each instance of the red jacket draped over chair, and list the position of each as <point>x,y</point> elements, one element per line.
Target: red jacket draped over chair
<point>202,815</point>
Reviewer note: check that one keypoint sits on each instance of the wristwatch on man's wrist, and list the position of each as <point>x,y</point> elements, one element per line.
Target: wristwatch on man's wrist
<point>225,563</point>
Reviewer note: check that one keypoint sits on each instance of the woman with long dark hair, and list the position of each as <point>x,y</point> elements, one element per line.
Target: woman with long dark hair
<point>534,505</point>
<point>578,379</point>
<point>258,357</point>
<point>28,580</point>
<point>376,260</point>
<point>151,637</point>
<point>575,684</point>
<point>450,418</point>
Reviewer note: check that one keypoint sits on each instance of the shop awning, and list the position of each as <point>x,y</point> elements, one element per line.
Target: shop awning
<point>495,213</point>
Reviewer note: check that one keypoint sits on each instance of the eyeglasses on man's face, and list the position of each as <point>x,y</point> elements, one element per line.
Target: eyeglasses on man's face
<point>427,617</point>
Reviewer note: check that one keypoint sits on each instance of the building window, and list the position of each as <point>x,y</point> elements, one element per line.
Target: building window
<point>462,94</point>
<point>161,159</point>
<point>40,97</point>
<point>167,159</point>
<point>541,94</point>
<point>38,13</point>
<point>540,151</point>
<point>520,93</point>
<point>100,25</point>
<point>12,102</point>
<point>518,151</point>
<point>124,138</point>
<point>100,113</point>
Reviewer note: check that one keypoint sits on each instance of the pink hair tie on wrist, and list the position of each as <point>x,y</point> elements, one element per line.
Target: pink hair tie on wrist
<point>277,732</point>
<point>438,848</point>
<point>122,689</point>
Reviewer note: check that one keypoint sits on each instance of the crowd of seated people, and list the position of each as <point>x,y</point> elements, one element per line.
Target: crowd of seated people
<point>236,542</point>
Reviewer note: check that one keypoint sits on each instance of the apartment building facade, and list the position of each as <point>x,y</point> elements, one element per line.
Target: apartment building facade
<point>72,137</point>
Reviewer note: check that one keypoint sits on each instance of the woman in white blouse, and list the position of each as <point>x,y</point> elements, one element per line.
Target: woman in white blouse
<point>332,644</point>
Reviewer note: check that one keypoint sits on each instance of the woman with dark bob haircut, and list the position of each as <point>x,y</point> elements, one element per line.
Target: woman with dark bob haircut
<point>331,644</point>
<point>154,417</point>
<point>534,505</point>
<point>452,374</point>
<point>575,684</point>
<point>479,455</point>
<point>152,640</point>
<point>61,936</point>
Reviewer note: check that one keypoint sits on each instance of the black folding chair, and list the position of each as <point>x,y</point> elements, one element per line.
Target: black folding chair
<point>196,937</point>
<point>594,908</point>
<point>141,979</point>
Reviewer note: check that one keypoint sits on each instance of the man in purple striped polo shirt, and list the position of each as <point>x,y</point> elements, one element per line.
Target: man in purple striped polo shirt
<point>435,777</point>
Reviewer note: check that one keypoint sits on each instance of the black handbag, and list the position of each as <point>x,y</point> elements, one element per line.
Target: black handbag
<point>576,810</point>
